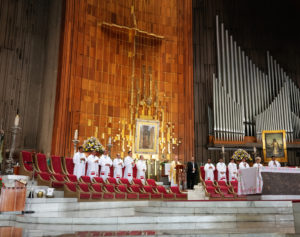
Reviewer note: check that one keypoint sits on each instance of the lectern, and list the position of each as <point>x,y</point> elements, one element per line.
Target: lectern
<point>180,175</point>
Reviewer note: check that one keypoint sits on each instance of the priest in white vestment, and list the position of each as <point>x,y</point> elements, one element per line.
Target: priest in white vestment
<point>105,162</point>
<point>209,169</point>
<point>274,163</point>
<point>79,161</point>
<point>141,169</point>
<point>172,176</point>
<point>93,165</point>
<point>118,167</point>
<point>129,164</point>
<point>221,168</point>
<point>232,170</point>
<point>257,163</point>
<point>243,164</point>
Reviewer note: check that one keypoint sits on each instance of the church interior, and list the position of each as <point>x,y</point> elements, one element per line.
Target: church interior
<point>149,117</point>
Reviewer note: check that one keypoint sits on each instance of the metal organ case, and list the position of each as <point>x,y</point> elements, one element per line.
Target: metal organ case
<point>247,100</point>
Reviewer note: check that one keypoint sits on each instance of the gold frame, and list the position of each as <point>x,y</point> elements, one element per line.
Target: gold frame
<point>279,158</point>
<point>139,124</point>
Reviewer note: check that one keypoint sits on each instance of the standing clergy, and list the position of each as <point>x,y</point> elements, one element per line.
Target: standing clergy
<point>209,169</point>
<point>274,163</point>
<point>93,165</point>
<point>243,164</point>
<point>129,164</point>
<point>257,162</point>
<point>79,161</point>
<point>191,173</point>
<point>141,169</point>
<point>118,166</point>
<point>172,176</point>
<point>105,163</point>
<point>221,168</point>
<point>232,170</point>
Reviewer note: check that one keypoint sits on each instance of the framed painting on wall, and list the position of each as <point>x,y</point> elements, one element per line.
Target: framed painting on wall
<point>146,136</point>
<point>274,144</point>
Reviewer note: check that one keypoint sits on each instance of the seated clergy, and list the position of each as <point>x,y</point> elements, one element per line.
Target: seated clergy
<point>79,161</point>
<point>209,169</point>
<point>257,162</point>
<point>105,163</point>
<point>221,168</point>
<point>118,166</point>
<point>93,165</point>
<point>243,164</point>
<point>141,169</point>
<point>129,164</point>
<point>274,163</point>
<point>232,170</point>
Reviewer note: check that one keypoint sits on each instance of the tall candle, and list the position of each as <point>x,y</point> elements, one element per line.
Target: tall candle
<point>17,120</point>
<point>109,140</point>
<point>223,149</point>
<point>254,149</point>
<point>76,134</point>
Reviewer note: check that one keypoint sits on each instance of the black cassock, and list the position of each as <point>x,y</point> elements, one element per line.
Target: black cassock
<point>190,175</point>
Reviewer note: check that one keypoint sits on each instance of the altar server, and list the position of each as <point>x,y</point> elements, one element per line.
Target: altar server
<point>93,165</point>
<point>141,169</point>
<point>221,168</point>
<point>79,161</point>
<point>209,169</point>
<point>232,170</point>
<point>105,163</point>
<point>129,164</point>
<point>243,164</point>
<point>274,163</point>
<point>118,166</point>
<point>257,162</point>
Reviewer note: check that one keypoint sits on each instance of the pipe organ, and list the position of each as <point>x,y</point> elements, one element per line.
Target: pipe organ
<point>247,100</point>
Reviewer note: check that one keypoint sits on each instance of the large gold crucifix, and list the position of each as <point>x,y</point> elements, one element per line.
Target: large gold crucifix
<point>133,33</point>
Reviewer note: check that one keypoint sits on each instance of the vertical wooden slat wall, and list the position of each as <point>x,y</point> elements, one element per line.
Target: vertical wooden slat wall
<point>257,26</point>
<point>94,84</point>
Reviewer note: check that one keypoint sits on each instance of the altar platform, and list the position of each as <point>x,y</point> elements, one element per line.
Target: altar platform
<point>67,216</point>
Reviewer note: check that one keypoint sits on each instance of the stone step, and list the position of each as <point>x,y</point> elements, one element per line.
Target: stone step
<point>166,219</point>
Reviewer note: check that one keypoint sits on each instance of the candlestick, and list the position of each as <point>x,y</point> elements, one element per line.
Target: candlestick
<point>76,134</point>
<point>223,149</point>
<point>17,120</point>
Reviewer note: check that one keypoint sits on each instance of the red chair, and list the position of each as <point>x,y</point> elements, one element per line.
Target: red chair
<point>85,179</point>
<point>56,165</point>
<point>226,192</point>
<point>141,193</point>
<point>68,165</point>
<point>97,189</point>
<point>208,183</point>
<point>178,193</point>
<point>129,195</point>
<point>138,182</point>
<point>166,195</point>
<point>124,182</point>
<point>71,178</point>
<point>222,183</point>
<point>70,189</point>
<point>151,182</point>
<point>98,180</point>
<point>154,195</point>
<point>26,163</point>
<point>111,189</point>
<point>234,185</point>
<point>212,192</point>
<point>202,174</point>
<point>83,191</point>
<point>112,181</point>
<point>41,163</point>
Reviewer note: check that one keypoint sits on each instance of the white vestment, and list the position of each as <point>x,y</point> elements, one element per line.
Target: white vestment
<point>105,163</point>
<point>209,172</point>
<point>257,165</point>
<point>232,170</point>
<point>128,173</point>
<point>243,165</point>
<point>79,164</point>
<point>118,166</point>
<point>259,178</point>
<point>221,167</point>
<point>93,166</point>
<point>274,164</point>
<point>141,170</point>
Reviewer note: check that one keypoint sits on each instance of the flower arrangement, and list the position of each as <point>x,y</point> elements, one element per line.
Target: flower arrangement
<point>240,154</point>
<point>93,144</point>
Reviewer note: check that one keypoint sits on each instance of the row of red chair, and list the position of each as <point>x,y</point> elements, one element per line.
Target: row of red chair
<point>222,189</point>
